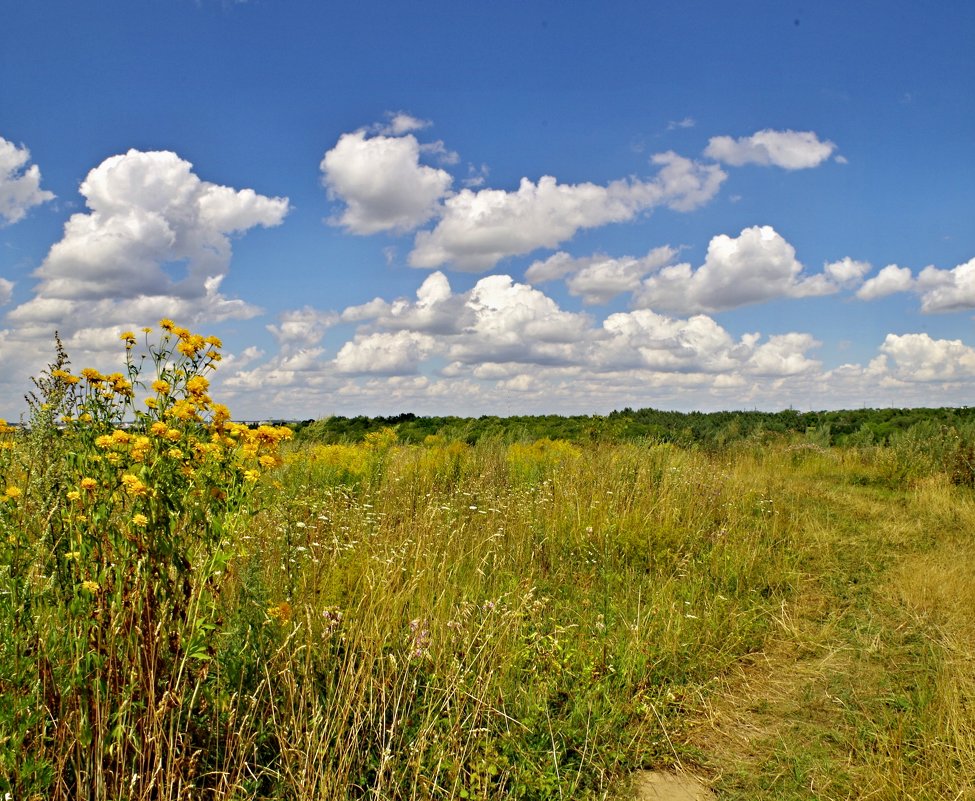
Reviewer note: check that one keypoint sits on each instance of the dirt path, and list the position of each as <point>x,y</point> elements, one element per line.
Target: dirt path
<point>865,688</point>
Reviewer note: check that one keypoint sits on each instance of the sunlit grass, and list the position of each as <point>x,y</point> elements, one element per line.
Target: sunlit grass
<point>505,620</point>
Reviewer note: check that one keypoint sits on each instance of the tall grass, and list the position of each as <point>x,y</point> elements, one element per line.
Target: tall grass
<point>528,620</point>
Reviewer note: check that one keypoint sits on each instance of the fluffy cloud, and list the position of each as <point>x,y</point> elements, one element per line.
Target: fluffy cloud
<point>478,229</point>
<point>399,123</point>
<point>783,355</point>
<point>147,212</point>
<point>497,321</point>
<point>382,183</point>
<point>755,266</point>
<point>597,279</point>
<point>846,272</point>
<point>20,185</point>
<point>647,340</point>
<point>6,291</point>
<point>939,290</point>
<point>947,290</point>
<point>385,353</point>
<point>791,150</point>
<point>918,357</point>
<point>302,327</point>
<point>507,325</point>
<point>889,280</point>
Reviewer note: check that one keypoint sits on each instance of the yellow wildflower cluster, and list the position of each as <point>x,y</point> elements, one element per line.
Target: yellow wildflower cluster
<point>185,446</point>
<point>6,442</point>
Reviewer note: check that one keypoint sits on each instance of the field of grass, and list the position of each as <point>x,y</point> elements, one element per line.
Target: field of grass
<point>193,610</point>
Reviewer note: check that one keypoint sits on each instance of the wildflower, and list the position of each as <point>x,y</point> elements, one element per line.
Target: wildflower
<point>90,586</point>
<point>104,441</point>
<point>280,612</point>
<point>174,453</point>
<point>267,461</point>
<point>88,484</point>
<point>121,437</point>
<point>13,492</point>
<point>128,338</point>
<point>139,520</point>
<point>251,475</point>
<point>158,428</point>
<point>197,385</point>
<point>173,434</point>
<point>92,375</point>
<point>72,555</point>
<point>146,330</point>
<point>187,349</point>
<point>151,403</point>
<point>160,386</point>
<point>166,324</point>
<point>74,495</point>
<point>214,342</point>
<point>133,486</point>
<point>221,414</point>
<point>183,410</point>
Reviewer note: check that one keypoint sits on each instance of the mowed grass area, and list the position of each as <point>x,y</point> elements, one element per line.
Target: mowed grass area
<point>508,620</point>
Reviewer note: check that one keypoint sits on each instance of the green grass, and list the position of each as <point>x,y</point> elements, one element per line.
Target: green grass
<point>537,621</point>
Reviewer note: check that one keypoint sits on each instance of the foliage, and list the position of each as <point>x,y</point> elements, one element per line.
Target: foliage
<point>112,589</point>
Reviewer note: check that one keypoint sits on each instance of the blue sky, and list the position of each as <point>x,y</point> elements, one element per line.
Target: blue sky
<point>502,207</point>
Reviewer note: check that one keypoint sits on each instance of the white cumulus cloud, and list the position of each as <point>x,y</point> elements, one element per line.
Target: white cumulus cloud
<point>384,353</point>
<point>918,357</point>
<point>597,279</point>
<point>381,182</point>
<point>20,185</point>
<point>757,265</point>
<point>791,150</point>
<point>302,327</point>
<point>947,290</point>
<point>478,229</point>
<point>889,280</point>
<point>154,242</point>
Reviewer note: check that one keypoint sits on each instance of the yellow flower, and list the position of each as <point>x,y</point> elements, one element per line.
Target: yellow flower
<point>251,475</point>
<point>166,324</point>
<point>13,492</point>
<point>214,341</point>
<point>174,453</point>
<point>187,349</point>
<point>197,385</point>
<point>127,337</point>
<point>104,441</point>
<point>183,410</point>
<point>90,586</point>
<point>121,437</point>
<point>160,386</point>
<point>147,330</point>
<point>159,428</point>
<point>74,495</point>
<point>139,520</point>
<point>72,555</point>
<point>173,434</point>
<point>133,486</point>
<point>151,403</point>
<point>122,386</point>
<point>85,418</point>
<point>91,374</point>
<point>88,484</point>
<point>280,612</point>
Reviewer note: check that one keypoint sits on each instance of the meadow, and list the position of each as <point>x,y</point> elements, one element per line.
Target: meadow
<point>191,608</point>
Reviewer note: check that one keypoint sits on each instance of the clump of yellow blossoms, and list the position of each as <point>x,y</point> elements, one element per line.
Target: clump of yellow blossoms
<point>158,463</point>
